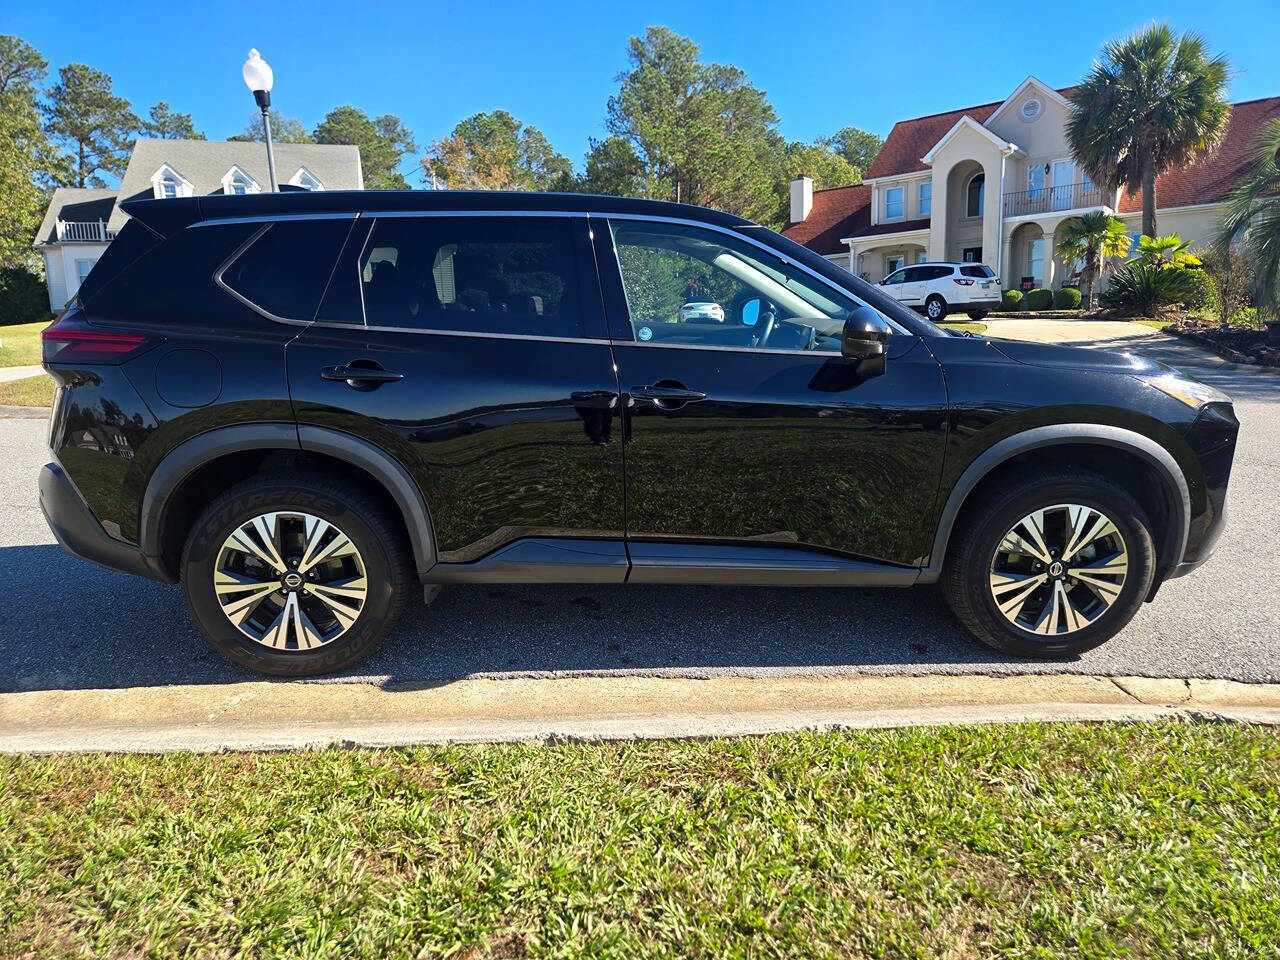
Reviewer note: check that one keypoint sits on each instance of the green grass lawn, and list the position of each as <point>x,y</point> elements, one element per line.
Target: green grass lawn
<point>21,344</point>
<point>962,325</point>
<point>1072,840</point>
<point>34,391</point>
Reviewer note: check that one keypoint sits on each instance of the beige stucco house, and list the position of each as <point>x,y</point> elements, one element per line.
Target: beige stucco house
<point>993,184</point>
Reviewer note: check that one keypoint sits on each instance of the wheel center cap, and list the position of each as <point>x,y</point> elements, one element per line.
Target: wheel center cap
<point>293,580</point>
<point>1056,568</point>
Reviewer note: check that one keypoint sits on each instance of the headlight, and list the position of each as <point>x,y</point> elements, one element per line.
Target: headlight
<point>1191,392</point>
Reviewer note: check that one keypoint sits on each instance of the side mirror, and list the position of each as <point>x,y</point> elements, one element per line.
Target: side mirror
<point>866,334</point>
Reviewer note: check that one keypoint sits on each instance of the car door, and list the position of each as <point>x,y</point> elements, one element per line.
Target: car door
<point>893,284</point>
<point>912,290</point>
<point>474,350</point>
<point>756,434</point>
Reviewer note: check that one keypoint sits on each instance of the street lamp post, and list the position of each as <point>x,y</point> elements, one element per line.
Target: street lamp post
<point>259,78</point>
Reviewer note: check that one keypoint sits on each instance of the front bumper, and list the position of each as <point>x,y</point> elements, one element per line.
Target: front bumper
<point>81,535</point>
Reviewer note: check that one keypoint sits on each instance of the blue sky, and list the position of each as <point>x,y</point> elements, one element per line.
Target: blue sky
<point>824,65</point>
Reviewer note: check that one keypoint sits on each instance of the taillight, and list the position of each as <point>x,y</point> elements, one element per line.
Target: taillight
<point>963,283</point>
<point>72,340</point>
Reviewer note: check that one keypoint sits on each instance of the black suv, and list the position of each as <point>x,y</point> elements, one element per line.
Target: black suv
<point>300,405</point>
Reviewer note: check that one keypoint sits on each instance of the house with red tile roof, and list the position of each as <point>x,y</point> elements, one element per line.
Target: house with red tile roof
<point>994,183</point>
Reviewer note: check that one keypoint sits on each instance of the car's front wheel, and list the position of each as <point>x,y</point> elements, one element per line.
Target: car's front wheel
<point>295,574</point>
<point>1054,565</point>
<point>935,308</point>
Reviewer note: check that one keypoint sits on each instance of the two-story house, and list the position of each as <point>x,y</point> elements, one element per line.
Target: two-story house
<point>994,183</point>
<point>79,223</point>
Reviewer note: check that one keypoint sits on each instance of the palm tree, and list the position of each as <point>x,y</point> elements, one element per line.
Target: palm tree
<point>1093,239</point>
<point>1154,101</point>
<point>1170,251</point>
<point>1253,216</point>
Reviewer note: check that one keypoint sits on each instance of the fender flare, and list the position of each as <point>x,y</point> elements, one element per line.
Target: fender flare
<point>204,448</point>
<point>1056,435</point>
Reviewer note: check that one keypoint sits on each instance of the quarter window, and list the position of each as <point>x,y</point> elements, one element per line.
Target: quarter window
<point>894,205</point>
<point>690,286</point>
<point>518,275</point>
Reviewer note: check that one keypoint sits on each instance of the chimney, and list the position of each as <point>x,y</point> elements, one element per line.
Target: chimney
<point>801,199</point>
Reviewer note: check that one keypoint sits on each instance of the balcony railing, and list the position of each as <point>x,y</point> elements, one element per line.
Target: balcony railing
<point>1068,196</point>
<point>84,231</point>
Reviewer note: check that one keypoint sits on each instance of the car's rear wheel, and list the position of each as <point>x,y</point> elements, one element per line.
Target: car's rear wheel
<point>294,574</point>
<point>976,315</point>
<point>935,308</point>
<point>1055,569</point>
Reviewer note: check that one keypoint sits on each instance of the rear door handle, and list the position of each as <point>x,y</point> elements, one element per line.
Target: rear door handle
<point>661,394</point>
<point>360,374</point>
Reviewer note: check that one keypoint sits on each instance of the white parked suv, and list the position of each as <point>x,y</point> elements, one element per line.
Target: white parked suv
<point>937,289</point>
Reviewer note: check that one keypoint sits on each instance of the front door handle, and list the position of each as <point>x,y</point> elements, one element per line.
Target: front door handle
<point>357,374</point>
<point>661,393</point>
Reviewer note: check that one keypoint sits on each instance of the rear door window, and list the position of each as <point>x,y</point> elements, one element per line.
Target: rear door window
<point>285,270</point>
<point>529,276</point>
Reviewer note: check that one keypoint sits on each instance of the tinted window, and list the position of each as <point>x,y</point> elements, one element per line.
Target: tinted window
<point>937,273</point>
<point>518,275</point>
<point>894,277</point>
<point>686,285</point>
<point>130,243</point>
<point>284,271</point>
<point>175,279</point>
<point>981,272</point>
<point>915,275</point>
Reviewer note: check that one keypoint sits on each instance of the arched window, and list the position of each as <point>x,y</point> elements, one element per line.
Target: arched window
<point>973,200</point>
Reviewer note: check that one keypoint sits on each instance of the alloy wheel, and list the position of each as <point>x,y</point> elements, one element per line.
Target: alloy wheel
<point>290,580</point>
<point>1058,569</point>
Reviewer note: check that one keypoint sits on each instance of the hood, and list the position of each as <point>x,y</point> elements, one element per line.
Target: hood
<point>1080,358</point>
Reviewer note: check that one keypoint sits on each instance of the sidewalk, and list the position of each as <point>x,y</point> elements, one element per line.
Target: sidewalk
<point>20,373</point>
<point>263,715</point>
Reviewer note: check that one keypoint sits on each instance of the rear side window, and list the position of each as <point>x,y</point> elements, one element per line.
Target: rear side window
<point>130,243</point>
<point>286,269</point>
<point>979,272</point>
<point>936,273</point>
<point>514,275</point>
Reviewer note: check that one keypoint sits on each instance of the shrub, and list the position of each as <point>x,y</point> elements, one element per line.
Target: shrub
<point>1141,288</point>
<point>1205,295</point>
<point>1011,300</point>
<point>1068,298</point>
<point>23,298</point>
<point>1038,299</point>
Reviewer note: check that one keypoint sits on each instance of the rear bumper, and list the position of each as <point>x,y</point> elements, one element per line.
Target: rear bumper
<point>81,535</point>
<point>988,304</point>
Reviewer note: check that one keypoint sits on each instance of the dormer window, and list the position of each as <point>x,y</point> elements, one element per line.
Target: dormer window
<point>238,183</point>
<point>306,179</point>
<point>169,183</point>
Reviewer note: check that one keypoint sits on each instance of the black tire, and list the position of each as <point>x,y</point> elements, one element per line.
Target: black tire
<point>976,315</point>
<point>966,581</point>
<point>935,308</point>
<point>376,536</point>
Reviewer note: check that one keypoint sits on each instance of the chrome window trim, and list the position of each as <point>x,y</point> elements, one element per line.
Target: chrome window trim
<point>267,219</point>
<point>898,328</point>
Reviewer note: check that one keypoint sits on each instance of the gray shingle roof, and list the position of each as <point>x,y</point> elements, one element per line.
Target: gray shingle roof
<point>75,203</point>
<point>204,163</point>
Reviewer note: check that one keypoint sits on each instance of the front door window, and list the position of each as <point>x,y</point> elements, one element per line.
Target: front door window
<point>892,263</point>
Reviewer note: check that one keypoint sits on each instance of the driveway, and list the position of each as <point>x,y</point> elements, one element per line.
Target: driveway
<point>65,624</point>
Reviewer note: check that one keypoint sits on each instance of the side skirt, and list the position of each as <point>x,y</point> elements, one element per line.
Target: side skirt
<point>606,561</point>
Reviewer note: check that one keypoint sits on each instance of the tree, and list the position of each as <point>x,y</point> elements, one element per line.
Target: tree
<point>1168,251</point>
<point>701,132</point>
<point>495,151</point>
<point>283,129</point>
<point>858,147</point>
<point>1252,218</point>
<point>166,124</point>
<point>1152,102</point>
<point>28,161</point>
<point>97,126</point>
<point>382,143</point>
<point>1230,274</point>
<point>1093,239</point>
<point>825,166</point>
<point>613,169</point>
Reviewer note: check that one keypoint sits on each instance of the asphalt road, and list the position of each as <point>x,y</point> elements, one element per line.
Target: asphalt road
<point>66,624</point>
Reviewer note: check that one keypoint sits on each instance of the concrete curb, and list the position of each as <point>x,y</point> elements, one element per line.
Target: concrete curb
<point>10,412</point>
<point>294,716</point>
